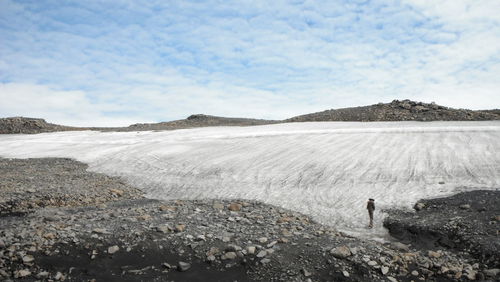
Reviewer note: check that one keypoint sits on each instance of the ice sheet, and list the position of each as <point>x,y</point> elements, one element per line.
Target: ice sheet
<point>325,169</point>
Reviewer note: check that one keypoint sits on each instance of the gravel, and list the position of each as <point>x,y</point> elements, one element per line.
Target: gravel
<point>91,232</point>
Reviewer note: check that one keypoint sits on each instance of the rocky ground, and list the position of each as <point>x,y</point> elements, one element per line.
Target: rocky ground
<point>100,229</point>
<point>467,222</point>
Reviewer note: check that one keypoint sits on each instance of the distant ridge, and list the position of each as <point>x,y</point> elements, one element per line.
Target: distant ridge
<point>25,125</point>
<point>397,110</point>
<point>404,110</point>
<point>199,120</point>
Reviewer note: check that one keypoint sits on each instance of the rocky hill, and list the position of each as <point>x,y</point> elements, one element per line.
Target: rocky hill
<point>14,125</point>
<point>199,120</point>
<point>397,110</point>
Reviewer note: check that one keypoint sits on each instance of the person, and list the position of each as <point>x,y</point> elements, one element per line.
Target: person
<point>370,206</point>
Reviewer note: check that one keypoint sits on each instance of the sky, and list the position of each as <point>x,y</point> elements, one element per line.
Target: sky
<point>118,62</point>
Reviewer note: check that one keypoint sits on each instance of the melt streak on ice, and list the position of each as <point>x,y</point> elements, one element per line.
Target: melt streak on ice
<point>327,170</point>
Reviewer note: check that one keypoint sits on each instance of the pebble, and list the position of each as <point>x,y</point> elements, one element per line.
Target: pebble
<point>262,240</point>
<point>305,272</point>
<point>28,258</point>
<point>164,229</point>
<point>265,260</point>
<point>262,254</point>
<point>42,275</point>
<point>400,246</point>
<point>183,266</point>
<point>23,273</point>
<point>113,249</point>
<point>433,254</point>
<point>341,252</point>
<point>229,255</point>
<point>235,207</point>
<point>59,276</point>
<point>384,270</point>
<point>465,207</point>
<point>492,272</point>
<point>180,227</point>
<point>250,250</point>
<point>345,273</point>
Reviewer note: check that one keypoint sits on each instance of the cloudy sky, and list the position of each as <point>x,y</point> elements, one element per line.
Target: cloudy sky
<point>117,62</point>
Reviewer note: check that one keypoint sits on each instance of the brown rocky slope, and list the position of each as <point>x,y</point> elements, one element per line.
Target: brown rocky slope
<point>397,110</point>
<point>404,110</point>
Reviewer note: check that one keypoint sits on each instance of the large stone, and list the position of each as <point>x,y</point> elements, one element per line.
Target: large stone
<point>341,252</point>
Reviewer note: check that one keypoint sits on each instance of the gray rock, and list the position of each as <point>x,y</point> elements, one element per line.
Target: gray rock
<point>384,270</point>
<point>341,252</point>
<point>400,246</point>
<point>42,275</point>
<point>492,272</point>
<point>465,207</point>
<point>233,248</point>
<point>305,272</point>
<point>113,249</point>
<point>229,255</point>
<point>262,254</point>
<point>59,276</point>
<point>23,273</point>
<point>250,250</point>
<point>265,261</point>
<point>28,258</point>
<point>419,206</point>
<point>183,266</point>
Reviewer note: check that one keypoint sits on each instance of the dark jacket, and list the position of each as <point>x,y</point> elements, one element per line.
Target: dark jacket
<point>370,206</point>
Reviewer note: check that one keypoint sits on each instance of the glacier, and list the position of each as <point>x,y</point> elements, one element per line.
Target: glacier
<point>326,170</point>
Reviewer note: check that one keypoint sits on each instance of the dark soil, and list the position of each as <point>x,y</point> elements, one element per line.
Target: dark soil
<point>466,222</point>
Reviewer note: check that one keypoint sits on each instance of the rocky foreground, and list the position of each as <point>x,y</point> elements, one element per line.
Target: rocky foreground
<point>60,222</point>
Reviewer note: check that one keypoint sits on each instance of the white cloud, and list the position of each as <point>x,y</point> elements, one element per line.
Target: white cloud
<point>56,106</point>
<point>157,61</point>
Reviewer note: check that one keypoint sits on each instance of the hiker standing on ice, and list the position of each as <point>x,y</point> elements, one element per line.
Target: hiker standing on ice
<point>370,206</point>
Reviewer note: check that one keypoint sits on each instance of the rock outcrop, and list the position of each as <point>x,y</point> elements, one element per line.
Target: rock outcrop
<point>397,110</point>
<point>24,125</point>
<point>198,120</point>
